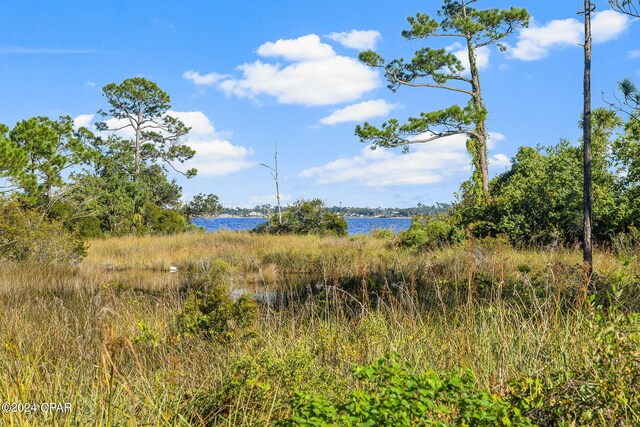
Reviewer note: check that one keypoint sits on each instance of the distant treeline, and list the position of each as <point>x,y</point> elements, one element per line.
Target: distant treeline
<point>420,209</point>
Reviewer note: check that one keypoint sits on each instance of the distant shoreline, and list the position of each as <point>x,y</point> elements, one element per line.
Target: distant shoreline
<point>264,217</point>
<point>355,225</point>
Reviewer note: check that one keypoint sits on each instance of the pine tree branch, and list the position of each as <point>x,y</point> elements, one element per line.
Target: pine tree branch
<point>393,75</point>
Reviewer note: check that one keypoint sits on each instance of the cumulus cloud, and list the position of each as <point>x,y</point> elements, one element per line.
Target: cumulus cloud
<point>209,79</point>
<point>537,41</point>
<point>359,112</point>
<point>608,25</point>
<point>316,75</point>
<point>482,56</point>
<point>199,123</point>
<point>494,138</point>
<point>425,164</point>
<point>215,156</point>
<point>356,39</point>
<point>499,160</point>
<point>305,48</point>
<point>83,120</point>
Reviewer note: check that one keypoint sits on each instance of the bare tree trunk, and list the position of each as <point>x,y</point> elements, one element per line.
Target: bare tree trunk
<point>274,174</point>
<point>587,251</point>
<point>277,185</point>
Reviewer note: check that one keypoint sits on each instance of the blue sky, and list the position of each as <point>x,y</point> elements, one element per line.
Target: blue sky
<point>245,74</point>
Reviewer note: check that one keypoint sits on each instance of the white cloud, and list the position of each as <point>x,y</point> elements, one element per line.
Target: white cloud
<point>209,79</point>
<point>633,54</point>
<point>199,123</point>
<point>305,48</point>
<point>482,56</point>
<point>494,138</point>
<point>215,156</point>
<point>537,41</point>
<point>356,39</point>
<point>331,81</point>
<point>359,112</point>
<point>317,75</point>
<point>83,120</point>
<point>499,160</point>
<point>608,25</point>
<point>425,164</point>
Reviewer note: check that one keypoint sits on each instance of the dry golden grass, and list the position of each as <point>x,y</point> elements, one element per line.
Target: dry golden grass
<point>102,336</point>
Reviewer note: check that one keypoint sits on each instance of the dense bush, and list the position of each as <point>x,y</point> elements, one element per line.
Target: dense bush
<point>202,205</point>
<point>158,220</point>
<point>539,199</point>
<point>306,217</point>
<point>428,232</point>
<point>209,310</point>
<point>26,235</point>
<point>214,315</point>
<point>393,396</point>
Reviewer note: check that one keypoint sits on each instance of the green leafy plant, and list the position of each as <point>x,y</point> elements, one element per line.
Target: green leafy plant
<point>163,221</point>
<point>382,233</point>
<point>306,217</point>
<point>390,394</point>
<point>430,232</point>
<point>26,235</point>
<point>146,335</point>
<point>213,314</point>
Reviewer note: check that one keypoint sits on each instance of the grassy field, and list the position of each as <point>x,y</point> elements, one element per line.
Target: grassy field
<point>117,336</point>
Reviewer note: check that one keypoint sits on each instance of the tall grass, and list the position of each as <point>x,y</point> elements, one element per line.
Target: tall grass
<point>103,336</point>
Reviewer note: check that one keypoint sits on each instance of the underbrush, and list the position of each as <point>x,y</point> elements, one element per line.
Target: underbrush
<point>481,324</point>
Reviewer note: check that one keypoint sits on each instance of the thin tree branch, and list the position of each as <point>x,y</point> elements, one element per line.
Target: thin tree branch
<point>394,76</point>
<point>434,136</point>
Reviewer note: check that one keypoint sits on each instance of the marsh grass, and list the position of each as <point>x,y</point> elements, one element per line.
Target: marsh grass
<point>103,336</point>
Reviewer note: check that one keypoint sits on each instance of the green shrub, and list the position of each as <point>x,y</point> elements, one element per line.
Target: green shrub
<point>306,217</point>
<point>213,314</point>
<point>163,221</point>
<point>430,232</point>
<point>382,233</point>
<point>391,395</point>
<point>26,235</point>
<point>86,227</point>
<point>74,219</point>
<point>538,200</point>
<point>146,335</point>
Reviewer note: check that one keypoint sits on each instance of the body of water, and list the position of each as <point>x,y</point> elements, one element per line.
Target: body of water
<point>356,225</point>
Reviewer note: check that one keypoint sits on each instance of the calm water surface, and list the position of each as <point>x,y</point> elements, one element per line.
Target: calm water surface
<point>356,225</point>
